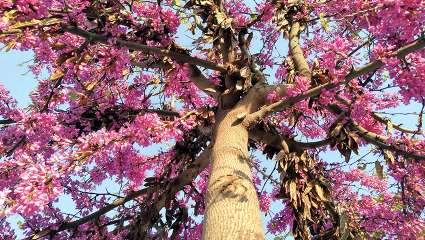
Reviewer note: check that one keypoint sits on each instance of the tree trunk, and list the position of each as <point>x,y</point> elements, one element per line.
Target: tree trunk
<point>232,209</point>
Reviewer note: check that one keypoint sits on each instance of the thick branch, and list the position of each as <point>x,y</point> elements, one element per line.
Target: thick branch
<point>378,140</point>
<point>202,82</point>
<point>282,104</point>
<point>147,49</point>
<point>282,143</point>
<point>400,53</point>
<point>300,62</point>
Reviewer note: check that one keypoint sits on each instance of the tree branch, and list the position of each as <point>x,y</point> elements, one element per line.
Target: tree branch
<point>400,53</point>
<point>202,82</point>
<point>380,119</point>
<point>300,62</point>
<point>7,121</point>
<point>282,143</point>
<point>147,49</point>
<point>183,179</point>
<point>90,217</point>
<point>285,103</point>
<point>374,138</point>
<point>282,104</point>
<point>378,140</point>
<point>195,76</point>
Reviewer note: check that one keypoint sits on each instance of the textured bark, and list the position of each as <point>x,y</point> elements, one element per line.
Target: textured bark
<point>300,62</point>
<point>232,209</point>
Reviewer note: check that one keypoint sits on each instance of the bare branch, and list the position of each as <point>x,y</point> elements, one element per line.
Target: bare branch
<point>90,217</point>
<point>384,120</point>
<point>7,121</point>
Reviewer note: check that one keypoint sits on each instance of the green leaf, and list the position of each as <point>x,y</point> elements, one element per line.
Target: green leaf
<point>73,96</point>
<point>385,75</point>
<point>323,21</point>
<point>421,233</point>
<point>184,19</point>
<point>20,224</point>
<point>398,207</point>
<point>378,234</point>
<point>176,3</point>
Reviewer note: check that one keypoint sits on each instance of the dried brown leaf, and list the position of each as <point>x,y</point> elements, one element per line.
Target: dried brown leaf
<point>320,192</point>
<point>293,191</point>
<point>379,170</point>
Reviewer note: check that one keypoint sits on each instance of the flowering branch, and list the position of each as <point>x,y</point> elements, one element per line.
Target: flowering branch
<point>147,49</point>
<point>374,138</point>
<point>285,103</point>
<point>183,179</point>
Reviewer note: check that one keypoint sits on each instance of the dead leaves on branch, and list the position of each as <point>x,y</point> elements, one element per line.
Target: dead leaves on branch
<point>345,140</point>
<point>217,30</point>
<point>309,196</point>
<point>285,14</point>
<point>215,23</point>
<point>18,27</point>
<point>389,157</point>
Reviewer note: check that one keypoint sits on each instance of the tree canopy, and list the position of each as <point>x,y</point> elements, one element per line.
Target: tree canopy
<point>183,106</point>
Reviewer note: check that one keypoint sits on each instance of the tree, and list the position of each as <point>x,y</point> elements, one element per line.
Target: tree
<point>120,83</point>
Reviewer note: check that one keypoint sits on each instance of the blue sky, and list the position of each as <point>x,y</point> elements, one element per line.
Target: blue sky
<point>15,75</point>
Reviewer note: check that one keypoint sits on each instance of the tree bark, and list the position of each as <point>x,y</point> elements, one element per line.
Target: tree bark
<point>232,209</point>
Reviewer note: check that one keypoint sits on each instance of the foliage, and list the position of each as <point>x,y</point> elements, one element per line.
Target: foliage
<point>121,83</point>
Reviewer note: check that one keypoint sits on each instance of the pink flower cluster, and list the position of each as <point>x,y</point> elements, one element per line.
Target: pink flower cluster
<point>38,186</point>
